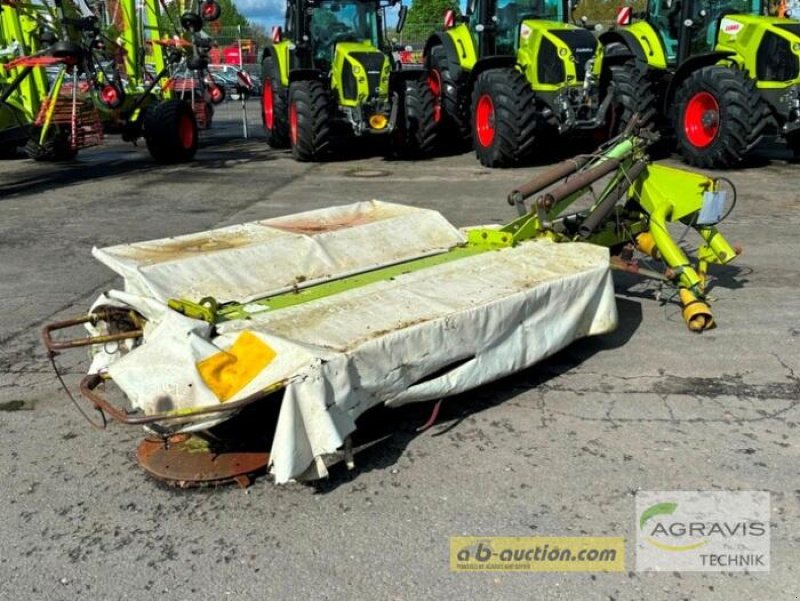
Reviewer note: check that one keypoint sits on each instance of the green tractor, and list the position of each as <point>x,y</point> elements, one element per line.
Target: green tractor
<point>514,75</point>
<point>720,73</point>
<point>331,76</point>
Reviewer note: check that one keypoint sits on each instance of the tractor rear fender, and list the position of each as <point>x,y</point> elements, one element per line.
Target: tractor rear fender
<point>620,46</point>
<point>280,54</point>
<point>459,48</point>
<point>689,66</point>
<point>641,40</point>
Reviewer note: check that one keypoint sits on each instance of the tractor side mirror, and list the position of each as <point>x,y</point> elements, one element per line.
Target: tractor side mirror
<point>277,34</point>
<point>401,18</point>
<point>449,19</point>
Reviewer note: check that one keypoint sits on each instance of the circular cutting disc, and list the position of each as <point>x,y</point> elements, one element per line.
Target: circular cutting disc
<point>189,460</point>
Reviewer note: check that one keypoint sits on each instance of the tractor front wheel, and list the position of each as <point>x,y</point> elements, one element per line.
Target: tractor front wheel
<point>170,130</point>
<point>311,115</point>
<point>274,106</point>
<point>633,94</point>
<point>418,130</point>
<point>720,117</point>
<point>504,118</point>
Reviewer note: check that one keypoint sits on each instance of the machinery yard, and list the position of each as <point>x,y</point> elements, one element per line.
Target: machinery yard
<point>559,449</point>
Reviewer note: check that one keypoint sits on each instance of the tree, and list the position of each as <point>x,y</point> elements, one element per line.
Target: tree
<point>230,16</point>
<point>430,12</point>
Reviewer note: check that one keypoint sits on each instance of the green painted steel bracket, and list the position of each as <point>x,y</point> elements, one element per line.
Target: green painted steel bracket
<point>659,195</point>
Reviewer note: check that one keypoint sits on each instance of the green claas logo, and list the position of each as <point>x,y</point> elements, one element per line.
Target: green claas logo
<point>671,534</point>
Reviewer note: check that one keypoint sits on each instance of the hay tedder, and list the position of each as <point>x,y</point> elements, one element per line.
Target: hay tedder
<point>70,71</point>
<point>291,317</point>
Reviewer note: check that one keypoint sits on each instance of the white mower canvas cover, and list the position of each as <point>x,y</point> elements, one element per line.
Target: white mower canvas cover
<point>420,336</point>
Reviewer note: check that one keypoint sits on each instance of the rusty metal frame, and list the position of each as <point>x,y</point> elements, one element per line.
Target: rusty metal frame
<point>92,381</point>
<point>54,346</point>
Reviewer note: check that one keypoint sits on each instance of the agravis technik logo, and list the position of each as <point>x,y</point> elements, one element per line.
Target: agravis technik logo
<point>702,531</point>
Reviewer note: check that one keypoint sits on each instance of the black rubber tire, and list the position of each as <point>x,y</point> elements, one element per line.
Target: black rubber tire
<point>743,116</point>
<point>793,142</point>
<point>455,125</point>
<point>417,137</point>
<point>165,131</point>
<point>278,134</point>
<point>315,111</point>
<point>634,94</point>
<point>56,147</point>
<point>516,117</point>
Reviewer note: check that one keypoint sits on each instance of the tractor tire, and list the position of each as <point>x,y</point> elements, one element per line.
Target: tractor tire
<point>634,94</point>
<point>719,117</point>
<point>311,116</point>
<point>417,137</point>
<point>170,130</point>
<point>274,106</point>
<point>793,142</point>
<point>56,147</point>
<point>504,118</point>
<point>451,108</point>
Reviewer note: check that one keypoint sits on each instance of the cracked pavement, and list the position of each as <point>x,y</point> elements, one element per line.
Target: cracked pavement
<point>557,450</point>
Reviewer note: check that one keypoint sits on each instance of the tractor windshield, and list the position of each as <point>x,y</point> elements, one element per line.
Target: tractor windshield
<point>667,16</point>
<point>511,13</point>
<point>345,21</point>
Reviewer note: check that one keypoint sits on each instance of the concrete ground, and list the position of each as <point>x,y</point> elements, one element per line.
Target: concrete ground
<point>559,450</point>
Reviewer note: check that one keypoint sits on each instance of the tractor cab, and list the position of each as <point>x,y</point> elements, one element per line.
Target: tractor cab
<point>334,21</point>
<point>691,27</point>
<point>497,25</point>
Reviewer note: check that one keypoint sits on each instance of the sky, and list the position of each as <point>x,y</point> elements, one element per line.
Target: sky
<point>266,12</point>
<point>270,12</point>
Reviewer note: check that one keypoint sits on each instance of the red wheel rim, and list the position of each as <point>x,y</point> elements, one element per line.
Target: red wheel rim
<point>701,119</point>
<point>435,86</point>
<point>293,123</point>
<point>484,121</point>
<point>109,96</point>
<point>186,131</point>
<point>266,104</point>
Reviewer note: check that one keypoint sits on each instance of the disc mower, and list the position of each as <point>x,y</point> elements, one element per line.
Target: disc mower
<point>330,76</point>
<point>514,76</point>
<point>720,73</point>
<point>291,317</point>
